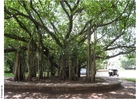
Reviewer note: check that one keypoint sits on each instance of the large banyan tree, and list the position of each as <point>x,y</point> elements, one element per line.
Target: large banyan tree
<point>59,37</point>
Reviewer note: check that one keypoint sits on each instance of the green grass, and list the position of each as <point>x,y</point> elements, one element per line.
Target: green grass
<point>8,74</point>
<point>11,74</point>
<point>130,79</point>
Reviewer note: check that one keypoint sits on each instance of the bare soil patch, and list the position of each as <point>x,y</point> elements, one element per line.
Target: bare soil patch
<point>55,80</point>
<point>126,92</point>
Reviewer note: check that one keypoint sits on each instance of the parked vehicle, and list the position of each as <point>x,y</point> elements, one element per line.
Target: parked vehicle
<point>113,72</point>
<point>83,71</point>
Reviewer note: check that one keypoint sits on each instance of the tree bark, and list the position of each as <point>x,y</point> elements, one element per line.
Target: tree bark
<point>88,73</point>
<point>31,62</point>
<point>31,58</point>
<point>40,64</point>
<point>93,66</point>
<point>79,70</point>
<point>70,73</point>
<point>40,54</point>
<point>62,68</point>
<point>19,71</point>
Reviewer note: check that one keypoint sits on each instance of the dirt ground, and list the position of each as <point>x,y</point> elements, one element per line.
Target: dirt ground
<point>128,91</point>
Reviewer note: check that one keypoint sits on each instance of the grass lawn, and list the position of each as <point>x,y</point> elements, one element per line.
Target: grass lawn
<point>11,74</point>
<point>8,74</point>
<point>130,79</point>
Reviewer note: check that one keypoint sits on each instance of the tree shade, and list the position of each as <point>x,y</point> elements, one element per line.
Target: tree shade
<point>53,34</point>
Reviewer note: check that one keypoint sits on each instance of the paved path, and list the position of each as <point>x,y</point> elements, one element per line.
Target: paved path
<point>122,73</point>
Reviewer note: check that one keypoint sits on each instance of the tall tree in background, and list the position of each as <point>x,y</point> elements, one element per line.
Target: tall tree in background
<point>61,31</point>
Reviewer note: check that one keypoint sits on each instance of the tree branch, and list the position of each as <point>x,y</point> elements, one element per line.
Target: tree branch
<point>131,46</point>
<point>17,12</point>
<point>9,50</point>
<point>82,30</point>
<point>76,5</point>
<point>36,12</point>
<point>120,53</point>
<point>18,21</point>
<point>36,23</point>
<point>70,27</point>
<point>62,5</point>
<point>68,5</point>
<point>117,37</point>
<point>54,27</point>
<point>85,37</point>
<point>70,17</point>
<point>116,19</point>
<point>12,36</point>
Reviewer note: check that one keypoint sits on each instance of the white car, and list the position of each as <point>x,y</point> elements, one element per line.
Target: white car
<point>83,71</point>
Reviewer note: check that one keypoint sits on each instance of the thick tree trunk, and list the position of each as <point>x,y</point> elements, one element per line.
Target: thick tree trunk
<point>88,73</point>
<point>52,67</point>
<point>79,70</point>
<point>93,66</point>
<point>19,73</point>
<point>40,76</point>
<point>40,55</point>
<point>40,64</point>
<point>31,55</point>
<point>48,67</point>
<point>31,62</point>
<point>93,71</point>
<point>74,67</point>
<point>62,69</point>
<point>73,70</point>
<point>70,73</point>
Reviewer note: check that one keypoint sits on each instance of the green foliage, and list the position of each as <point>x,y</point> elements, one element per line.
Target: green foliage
<point>99,64</point>
<point>9,62</point>
<point>131,55</point>
<point>64,27</point>
<point>128,63</point>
